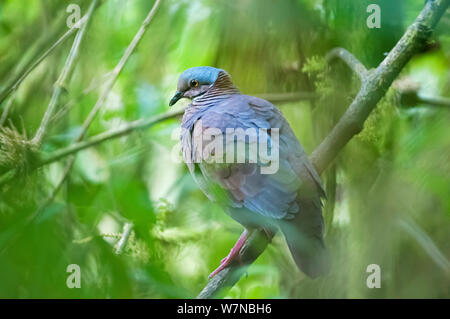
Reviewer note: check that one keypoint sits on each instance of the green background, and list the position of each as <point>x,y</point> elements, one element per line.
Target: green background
<point>388,191</point>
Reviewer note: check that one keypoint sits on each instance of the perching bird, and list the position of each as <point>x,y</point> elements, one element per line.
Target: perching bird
<point>286,199</point>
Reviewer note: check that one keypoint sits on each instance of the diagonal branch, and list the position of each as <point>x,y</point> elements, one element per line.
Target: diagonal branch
<point>377,83</point>
<point>101,100</point>
<point>117,70</point>
<point>61,83</point>
<point>374,85</point>
<point>423,239</point>
<point>122,243</point>
<point>373,88</point>
<point>146,123</point>
<point>108,135</point>
<point>349,59</point>
<point>12,86</point>
<point>7,107</point>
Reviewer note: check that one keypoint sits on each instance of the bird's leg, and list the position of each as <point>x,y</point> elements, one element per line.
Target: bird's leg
<point>233,255</point>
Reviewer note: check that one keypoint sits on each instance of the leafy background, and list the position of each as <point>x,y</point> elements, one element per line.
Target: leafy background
<point>388,191</point>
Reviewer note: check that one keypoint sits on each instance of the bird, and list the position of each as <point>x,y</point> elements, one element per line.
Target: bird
<point>287,199</point>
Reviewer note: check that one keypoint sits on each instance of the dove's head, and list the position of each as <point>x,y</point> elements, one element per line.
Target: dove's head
<point>195,81</point>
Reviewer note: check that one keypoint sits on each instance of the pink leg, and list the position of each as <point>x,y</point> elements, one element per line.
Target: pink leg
<point>233,255</point>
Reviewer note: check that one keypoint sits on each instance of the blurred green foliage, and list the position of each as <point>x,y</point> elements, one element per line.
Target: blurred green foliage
<point>388,191</point>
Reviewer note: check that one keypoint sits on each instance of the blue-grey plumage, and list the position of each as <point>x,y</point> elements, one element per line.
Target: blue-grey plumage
<point>288,199</point>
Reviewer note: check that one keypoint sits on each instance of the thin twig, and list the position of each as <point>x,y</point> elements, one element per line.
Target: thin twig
<point>349,59</point>
<point>75,100</point>
<point>108,135</point>
<point>377,83</point>
<point>117,70</point>
<point>439,101</point>
<point>373,88</point>
<point>61,83</point>
<point>288,97</point>
<point>253,247</point>
<point>428,245</point>
<point>7,107</point>
<point>138,125</point>
<point>8,176</point>
<point>30,56</point>
<point>146,123</point>
<point>143,124</point>
<point>4,94</point>
<point>122,243</point>
<point>275,98</point>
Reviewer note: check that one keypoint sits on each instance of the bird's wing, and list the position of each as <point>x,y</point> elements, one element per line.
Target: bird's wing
<point>296,154</point>
<point>243,184</point>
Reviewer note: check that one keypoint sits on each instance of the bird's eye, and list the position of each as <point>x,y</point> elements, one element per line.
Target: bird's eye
<point>194,83</point>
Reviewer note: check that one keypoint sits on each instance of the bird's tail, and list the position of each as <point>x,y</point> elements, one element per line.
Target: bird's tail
<point>304,237</point>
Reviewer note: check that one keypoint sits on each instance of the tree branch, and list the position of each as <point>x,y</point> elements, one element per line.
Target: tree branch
<point>374,86</point>
<point>122,243</point>
<point>146,123</point>
<point>288,97</point>
<point>11,174</point>
<point>349,59</point>
<point>409,99</point>
<point>15,83</point>
<point>439,101</point>
<point>7,107</point>
<point>117,70</point>
<point>138,125</point>
<point>96,108</point>
<point>429,247</point>
<point>102,137</point>
<point>61,83</point>
<point>377,83</point>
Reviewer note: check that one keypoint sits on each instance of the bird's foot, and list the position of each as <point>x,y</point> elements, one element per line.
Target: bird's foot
<point>223,264</point>
<point>232,256</point>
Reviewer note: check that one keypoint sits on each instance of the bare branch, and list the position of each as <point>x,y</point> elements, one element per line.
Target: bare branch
<point>118,69</point>
<point>15,84</point>
<point>377,83</point>
<point>428,245</point>
<point>61,83</point>
<point>122,243</point>
<point>116,72</point>
<point>373,88</point>
<point>100,138</point>
<point>288,97</point>
<point>349,59</point>
<point>253,247</point>
<point>146,123</point>
<point>412,99</point>
<point>143,124</point>
<point>6,109</point>
<point>138,125</point>
<point>8,176</point>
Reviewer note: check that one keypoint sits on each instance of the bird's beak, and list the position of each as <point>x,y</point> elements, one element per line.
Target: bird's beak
<point>178,95</point>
